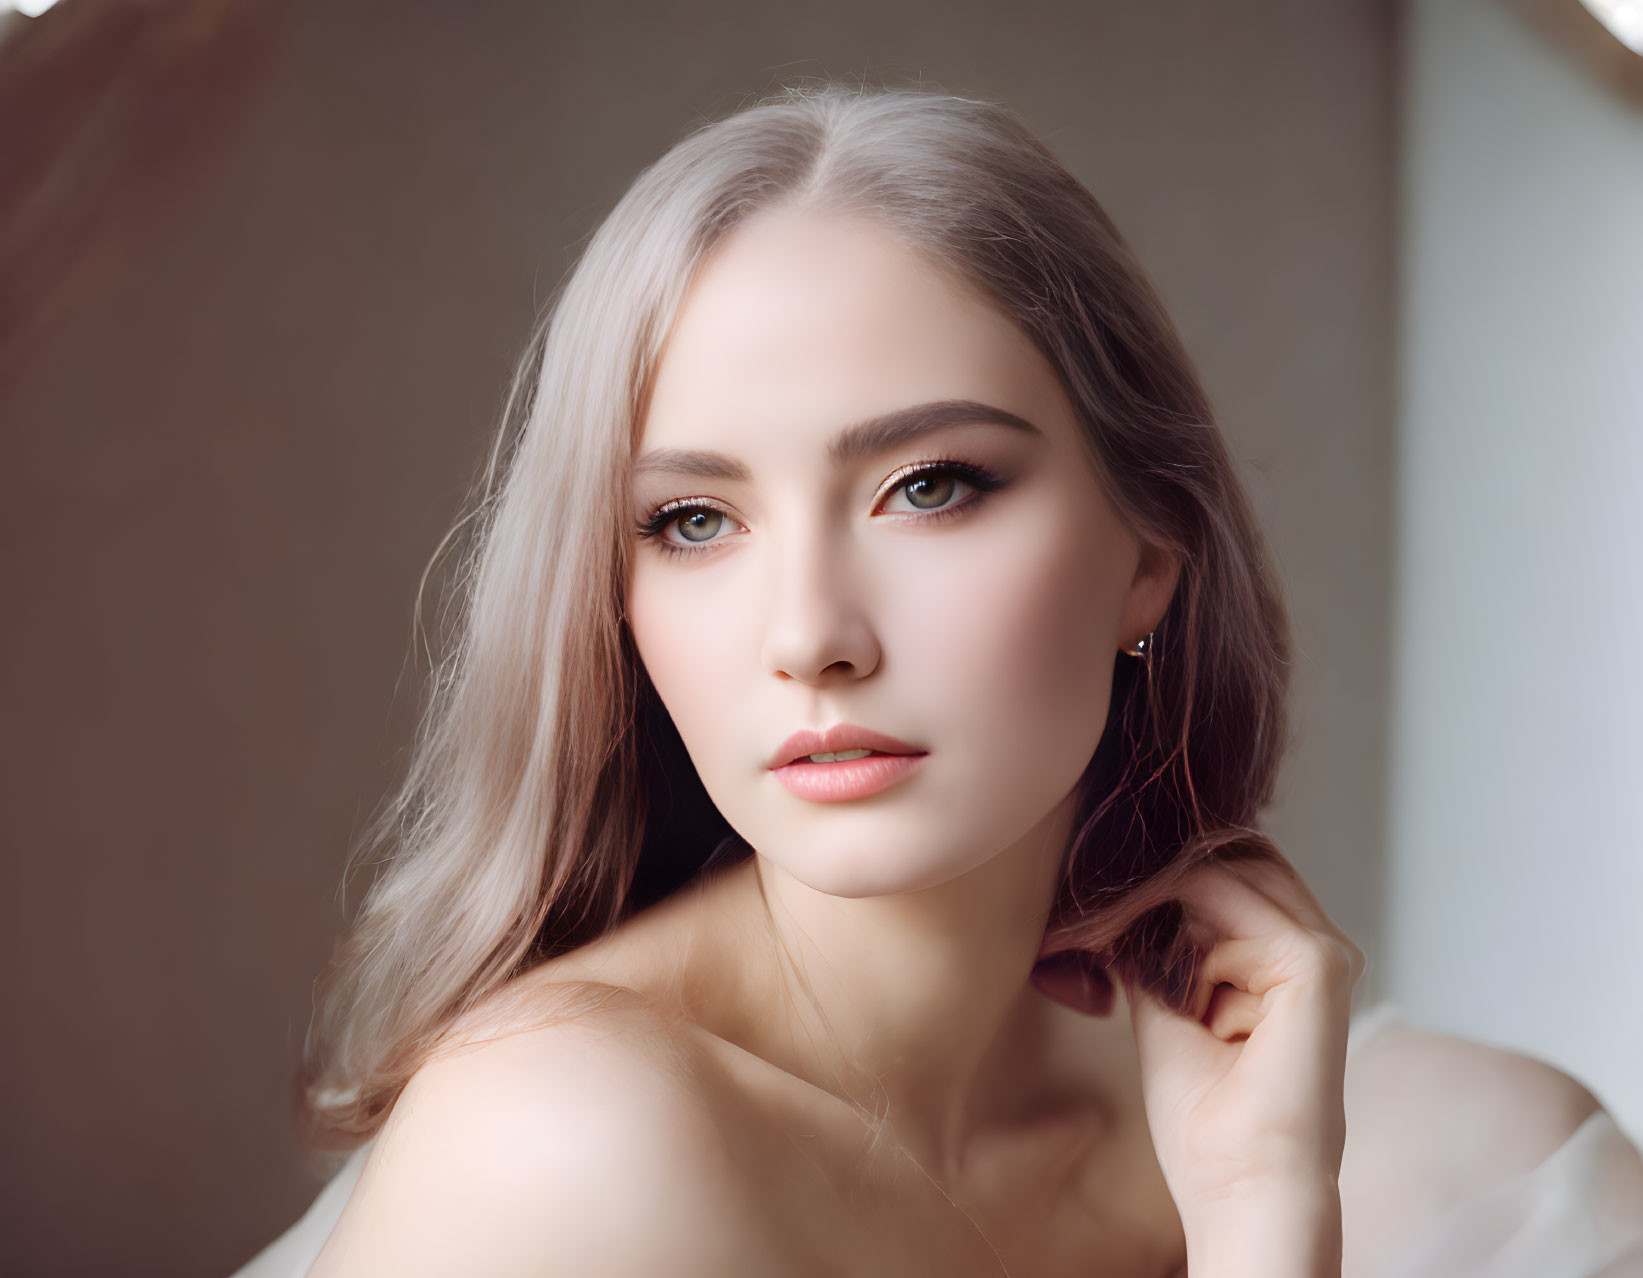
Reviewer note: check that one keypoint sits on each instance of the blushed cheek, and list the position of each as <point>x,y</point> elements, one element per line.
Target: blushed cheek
<point>697,638</point>
<point>680,666</point>
<point>679,652</point>
<point>1041,649</point>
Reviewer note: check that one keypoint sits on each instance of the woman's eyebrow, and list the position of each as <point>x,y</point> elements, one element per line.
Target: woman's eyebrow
<point>865,439</point>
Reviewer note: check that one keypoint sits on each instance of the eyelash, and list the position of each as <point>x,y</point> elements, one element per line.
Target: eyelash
<point>978,477</point>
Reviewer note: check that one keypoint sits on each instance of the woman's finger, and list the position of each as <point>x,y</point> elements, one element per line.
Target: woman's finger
<point>1258,964</point>
<point>1283,884</point>
<point>1171,1048</point>
<point>1221,904</point>
<point>1233,1013</point>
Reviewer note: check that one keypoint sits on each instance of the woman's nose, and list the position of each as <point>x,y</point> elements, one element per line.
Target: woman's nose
<point>816,614</point>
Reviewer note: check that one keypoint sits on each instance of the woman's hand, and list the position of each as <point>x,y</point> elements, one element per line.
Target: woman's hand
<point>1245,1100</point>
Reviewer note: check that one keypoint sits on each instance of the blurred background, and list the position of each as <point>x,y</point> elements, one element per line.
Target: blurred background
<point>265,270</point>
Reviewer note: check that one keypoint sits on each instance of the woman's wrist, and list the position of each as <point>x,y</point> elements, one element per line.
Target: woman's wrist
<point>1287,1230</point>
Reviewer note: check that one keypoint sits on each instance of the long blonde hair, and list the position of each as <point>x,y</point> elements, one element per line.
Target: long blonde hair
<point>542,759</point>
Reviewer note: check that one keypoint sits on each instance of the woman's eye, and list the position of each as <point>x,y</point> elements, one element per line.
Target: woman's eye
<point>929,490</point>
<point>700,523</point>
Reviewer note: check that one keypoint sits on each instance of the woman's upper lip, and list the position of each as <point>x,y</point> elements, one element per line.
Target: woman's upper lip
<point>841,736</point>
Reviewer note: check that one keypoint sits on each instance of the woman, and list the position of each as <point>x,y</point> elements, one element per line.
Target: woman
<point>867,678</point>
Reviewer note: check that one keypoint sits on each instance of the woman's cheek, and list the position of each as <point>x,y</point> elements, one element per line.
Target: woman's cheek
<point>1049,642</point>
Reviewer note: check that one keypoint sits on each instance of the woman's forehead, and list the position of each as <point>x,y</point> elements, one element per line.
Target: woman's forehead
<point>811,322</point>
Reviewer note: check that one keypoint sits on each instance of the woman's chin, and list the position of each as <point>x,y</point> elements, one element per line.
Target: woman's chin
<point>876,874</point>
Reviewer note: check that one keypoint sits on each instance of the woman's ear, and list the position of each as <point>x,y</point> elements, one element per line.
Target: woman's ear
<point>1157,572</point>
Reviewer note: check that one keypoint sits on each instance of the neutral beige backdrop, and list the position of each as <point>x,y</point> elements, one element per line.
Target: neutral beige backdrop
<point>228,466</point>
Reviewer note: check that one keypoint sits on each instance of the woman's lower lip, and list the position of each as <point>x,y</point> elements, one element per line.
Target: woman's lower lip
<point>850,779</point>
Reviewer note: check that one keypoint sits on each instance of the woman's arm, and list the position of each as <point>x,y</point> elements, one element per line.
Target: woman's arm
<point>1282,1230</point>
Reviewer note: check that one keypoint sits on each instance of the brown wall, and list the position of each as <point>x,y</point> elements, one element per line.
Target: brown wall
<point>230,456</point>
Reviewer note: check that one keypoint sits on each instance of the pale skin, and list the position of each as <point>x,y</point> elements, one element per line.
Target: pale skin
<point>714,1126</point>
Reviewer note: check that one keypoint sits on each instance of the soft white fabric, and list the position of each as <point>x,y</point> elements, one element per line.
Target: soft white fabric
<point>1578,1214</point>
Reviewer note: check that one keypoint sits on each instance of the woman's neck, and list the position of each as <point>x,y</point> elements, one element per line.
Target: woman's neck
<point>919,999</point>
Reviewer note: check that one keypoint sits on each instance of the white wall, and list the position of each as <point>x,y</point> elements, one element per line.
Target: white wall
<point>1516,866</point>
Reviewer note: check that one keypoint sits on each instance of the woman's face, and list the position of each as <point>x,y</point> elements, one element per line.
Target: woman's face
<point>974,617</point>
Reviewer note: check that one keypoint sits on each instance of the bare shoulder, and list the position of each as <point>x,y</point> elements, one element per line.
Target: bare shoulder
<point>588,1145</point>
<point>1434,1119</point>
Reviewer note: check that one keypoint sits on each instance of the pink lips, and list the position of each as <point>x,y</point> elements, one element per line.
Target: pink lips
<point>850,779</point>
<point>841,736</point>
<point>847,779</point>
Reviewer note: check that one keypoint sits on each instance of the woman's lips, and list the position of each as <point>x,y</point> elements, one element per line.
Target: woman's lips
<point>839,739</point>
<point>846,779</point>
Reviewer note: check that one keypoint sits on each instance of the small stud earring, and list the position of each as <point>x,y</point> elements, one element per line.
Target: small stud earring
<point>1143,646</point>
